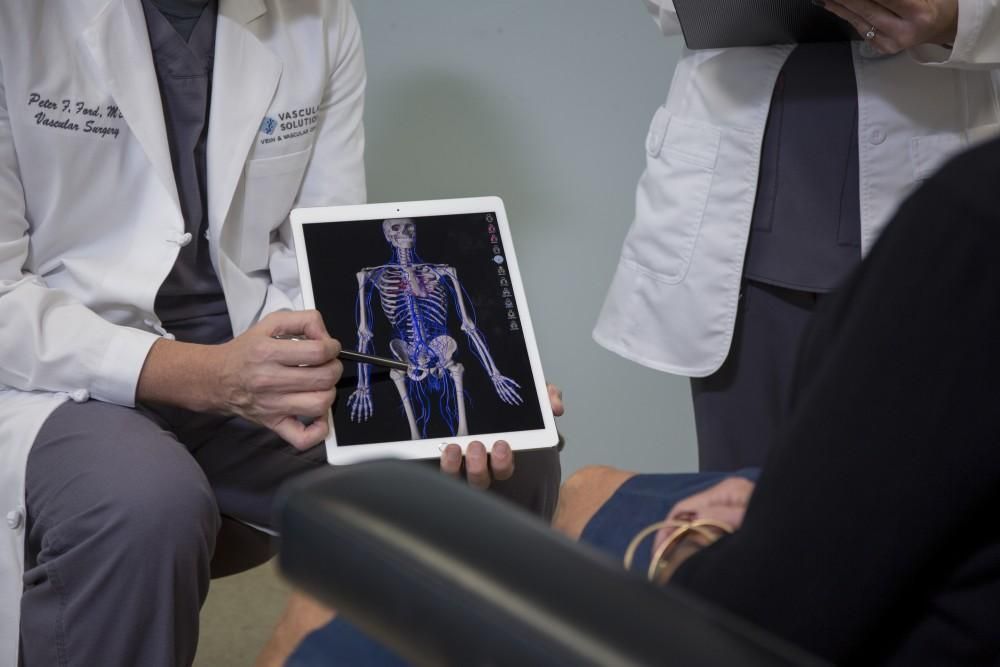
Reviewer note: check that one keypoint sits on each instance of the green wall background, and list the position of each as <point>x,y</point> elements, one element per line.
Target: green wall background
<point>545,103</point>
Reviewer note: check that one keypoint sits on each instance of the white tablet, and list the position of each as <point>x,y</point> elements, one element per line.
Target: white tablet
<point>433,286</point>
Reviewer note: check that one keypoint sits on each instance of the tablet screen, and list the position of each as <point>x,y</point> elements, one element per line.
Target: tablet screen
<point>436,292</point>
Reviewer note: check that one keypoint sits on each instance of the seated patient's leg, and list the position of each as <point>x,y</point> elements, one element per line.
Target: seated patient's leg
<point>302,616</point>
<point>583,494</point>
<point>534,487</point>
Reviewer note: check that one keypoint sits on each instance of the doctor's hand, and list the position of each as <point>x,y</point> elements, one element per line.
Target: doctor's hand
<point>896,25</point>
<point>274,382</point>
<point>482,468</point>
<point>556,400</point>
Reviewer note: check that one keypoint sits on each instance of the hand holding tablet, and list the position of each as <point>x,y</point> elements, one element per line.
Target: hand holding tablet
<point>481,468</point>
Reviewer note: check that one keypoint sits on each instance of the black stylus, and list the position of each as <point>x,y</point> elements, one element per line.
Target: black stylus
<point>359,357</point>
<point>373,360</point>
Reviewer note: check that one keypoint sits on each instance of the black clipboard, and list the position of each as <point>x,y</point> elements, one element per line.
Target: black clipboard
<point>716,24</point>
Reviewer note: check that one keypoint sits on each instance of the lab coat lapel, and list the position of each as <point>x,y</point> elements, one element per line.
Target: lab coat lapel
<point>118,43</point>
<point>245,79</point>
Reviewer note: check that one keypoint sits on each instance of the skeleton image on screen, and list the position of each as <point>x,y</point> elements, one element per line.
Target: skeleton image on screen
<point>415,297</point>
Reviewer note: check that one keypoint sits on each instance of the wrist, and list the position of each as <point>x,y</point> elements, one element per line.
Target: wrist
<point>689,538</point>
<point>949,33</point>
<point>182,374</point>
<point>665,568</point>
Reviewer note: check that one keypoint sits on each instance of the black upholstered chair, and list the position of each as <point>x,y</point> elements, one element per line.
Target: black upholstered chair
<point>445,575</point>
<point>239,548</point>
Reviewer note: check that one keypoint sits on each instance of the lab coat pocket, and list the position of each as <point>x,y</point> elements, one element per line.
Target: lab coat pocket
<point>931,151</point>
<point>672,196</point>
<point>270,188</point>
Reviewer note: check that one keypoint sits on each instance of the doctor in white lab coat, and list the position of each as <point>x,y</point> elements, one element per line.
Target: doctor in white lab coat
<point>90,224</point>
<point>150,154</point>
<point>674,299</point>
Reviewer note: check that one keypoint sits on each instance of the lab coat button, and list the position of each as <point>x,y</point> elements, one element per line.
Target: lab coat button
<point>79,396</point>
<point>15,519</point>
<point>876,136</point>
<point>182,239</point>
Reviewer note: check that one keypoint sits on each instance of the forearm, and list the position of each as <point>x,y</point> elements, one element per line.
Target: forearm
<point>181,374</point>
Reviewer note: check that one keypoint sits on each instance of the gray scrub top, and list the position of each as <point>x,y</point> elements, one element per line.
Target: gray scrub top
<point>806,229</point>
<point>182,14</point>
<point>190,301</point>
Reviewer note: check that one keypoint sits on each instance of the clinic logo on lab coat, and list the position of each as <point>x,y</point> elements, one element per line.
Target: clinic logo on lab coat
<point>289,125</point>
<point>269,126</point>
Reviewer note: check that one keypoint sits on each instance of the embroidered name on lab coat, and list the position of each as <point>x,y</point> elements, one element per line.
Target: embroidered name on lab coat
<point>78,116</point>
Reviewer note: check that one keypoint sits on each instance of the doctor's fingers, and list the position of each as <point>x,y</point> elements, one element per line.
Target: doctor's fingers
<point>271,408</point>
<point>300,352</point>
<point>477,463</point>
<point>303,323</point>
<point>279,380</point>
<point>477,471</point>
<point>556,400</point>
<point>301,436</point>
<point>501,461</point>
<point>451,460</point>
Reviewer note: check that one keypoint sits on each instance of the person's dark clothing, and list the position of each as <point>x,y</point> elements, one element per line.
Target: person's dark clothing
<point>739,409</point>
<point>806,229</point>
<point>872,535</point>
<point>182,14</point>
<point>805,238</point>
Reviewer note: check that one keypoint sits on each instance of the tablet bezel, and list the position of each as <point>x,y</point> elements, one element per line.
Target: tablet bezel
<point>430,447</point>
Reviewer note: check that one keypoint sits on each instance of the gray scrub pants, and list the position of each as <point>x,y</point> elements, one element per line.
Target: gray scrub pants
<point>739,409</point>
<point>123,510</point>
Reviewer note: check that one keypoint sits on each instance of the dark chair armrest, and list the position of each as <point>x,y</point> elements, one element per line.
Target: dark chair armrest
<point>445,575</point>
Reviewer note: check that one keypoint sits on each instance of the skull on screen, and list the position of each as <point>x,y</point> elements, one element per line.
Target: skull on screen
<point>400,232</point>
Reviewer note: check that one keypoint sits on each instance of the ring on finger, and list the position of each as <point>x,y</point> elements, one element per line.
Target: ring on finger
<point>872,33</point>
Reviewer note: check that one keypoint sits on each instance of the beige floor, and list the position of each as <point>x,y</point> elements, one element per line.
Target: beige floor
<point>238,616</point>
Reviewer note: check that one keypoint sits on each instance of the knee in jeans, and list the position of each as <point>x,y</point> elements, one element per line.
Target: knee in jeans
<point>582,494</point>
<point>588,477</point>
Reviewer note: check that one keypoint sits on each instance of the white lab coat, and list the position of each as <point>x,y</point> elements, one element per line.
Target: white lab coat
<point>89,218</point>
<point>672,302</point>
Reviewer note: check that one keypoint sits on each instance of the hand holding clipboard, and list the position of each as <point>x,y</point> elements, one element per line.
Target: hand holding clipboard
<point>890,25</point>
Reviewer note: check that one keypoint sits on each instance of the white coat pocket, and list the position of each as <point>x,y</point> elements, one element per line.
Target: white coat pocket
<point>270,188</point>
<point>929,152</point>
<point>672,195</point>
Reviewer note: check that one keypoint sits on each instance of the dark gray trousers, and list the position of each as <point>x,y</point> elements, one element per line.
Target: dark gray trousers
<point>739,409</point>
<point>123,510</point>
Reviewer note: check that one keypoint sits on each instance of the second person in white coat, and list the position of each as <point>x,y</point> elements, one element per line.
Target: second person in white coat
<point>770,172</point>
